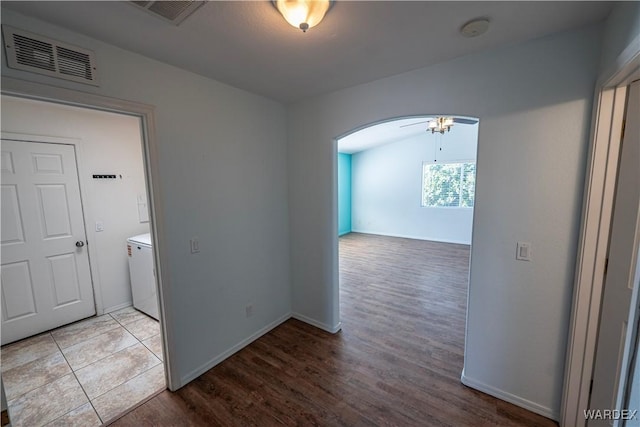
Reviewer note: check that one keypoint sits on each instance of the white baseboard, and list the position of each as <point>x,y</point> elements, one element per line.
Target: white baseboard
<point>511,398</point>
<point>116,307</point>
<point>406,236</point>
<point>222,356</point>
<point>312,322</point>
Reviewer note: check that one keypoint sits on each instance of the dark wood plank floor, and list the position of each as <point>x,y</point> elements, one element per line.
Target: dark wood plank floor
<point>397,360</point>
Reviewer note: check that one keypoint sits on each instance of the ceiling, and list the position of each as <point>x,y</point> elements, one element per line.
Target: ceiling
<point>384,133</point>
<point>248,44</point>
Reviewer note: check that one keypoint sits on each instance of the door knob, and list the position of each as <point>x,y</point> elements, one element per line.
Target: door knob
<point>79,243</point>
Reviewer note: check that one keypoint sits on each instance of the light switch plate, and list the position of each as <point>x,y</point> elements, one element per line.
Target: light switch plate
<point>195,245</point>
<point>99,226</point>
<point>523,251</point>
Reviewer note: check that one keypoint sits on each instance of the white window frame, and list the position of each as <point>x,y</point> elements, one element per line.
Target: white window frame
<point>448,162</point>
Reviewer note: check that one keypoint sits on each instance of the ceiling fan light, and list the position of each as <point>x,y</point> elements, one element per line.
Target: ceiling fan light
<point>303,14</point>
<point>440,124</point>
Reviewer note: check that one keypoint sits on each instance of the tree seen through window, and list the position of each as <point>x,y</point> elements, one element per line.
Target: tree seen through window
<point>448,184</point>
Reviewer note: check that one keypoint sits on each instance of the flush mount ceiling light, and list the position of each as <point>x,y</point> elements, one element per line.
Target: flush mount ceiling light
<point>303,14</point>
<point>475,27</point>
<point>440,124</point>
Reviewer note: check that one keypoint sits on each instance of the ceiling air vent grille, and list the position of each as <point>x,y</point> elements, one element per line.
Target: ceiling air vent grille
<point>172,11</point>
<point>33,53</point>
<point>73,63</point>
<point>38,54</point>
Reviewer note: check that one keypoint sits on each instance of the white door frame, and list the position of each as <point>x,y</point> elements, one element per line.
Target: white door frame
<point>600,181</point>
<point>37,91</point>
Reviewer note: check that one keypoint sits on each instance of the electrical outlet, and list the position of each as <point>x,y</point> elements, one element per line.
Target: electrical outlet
<point>249,310</point>
<point>195,245</point>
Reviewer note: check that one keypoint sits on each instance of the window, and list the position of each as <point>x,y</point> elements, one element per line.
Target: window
<point>448,184</point>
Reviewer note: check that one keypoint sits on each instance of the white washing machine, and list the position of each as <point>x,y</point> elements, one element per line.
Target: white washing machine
<point>143,281</point>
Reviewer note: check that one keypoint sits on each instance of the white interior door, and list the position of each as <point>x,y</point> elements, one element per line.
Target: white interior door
<point>619,282</point>
<point>46,280</point>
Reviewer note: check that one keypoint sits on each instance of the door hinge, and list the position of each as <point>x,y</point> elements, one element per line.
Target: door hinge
<point>606,266</point>
<point>590,387</point>
<point>624,126</point>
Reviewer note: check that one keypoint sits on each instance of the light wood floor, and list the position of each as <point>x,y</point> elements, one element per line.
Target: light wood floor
<point>397,360</point>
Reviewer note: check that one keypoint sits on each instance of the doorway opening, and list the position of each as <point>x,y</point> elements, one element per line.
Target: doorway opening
<point>108,356</point>
<point>587,386</point>
<point>616,329</point>
<point>399,178</point>
<point>405,214</point>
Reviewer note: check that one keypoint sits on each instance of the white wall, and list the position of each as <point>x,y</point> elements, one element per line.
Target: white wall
<point>109,143</point>
<point>387,187</point>
<point>534,104</point>
<point>223,178</point>
<point>621,37</point>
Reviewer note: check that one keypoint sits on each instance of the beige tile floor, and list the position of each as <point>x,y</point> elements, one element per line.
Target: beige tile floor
<point>83,374</point>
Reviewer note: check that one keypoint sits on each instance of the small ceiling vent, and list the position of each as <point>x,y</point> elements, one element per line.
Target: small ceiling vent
<point>172,11</point>
<point>31,52</point>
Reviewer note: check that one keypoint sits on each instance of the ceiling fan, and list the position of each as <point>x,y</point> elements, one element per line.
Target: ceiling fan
<point>442,124</point>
